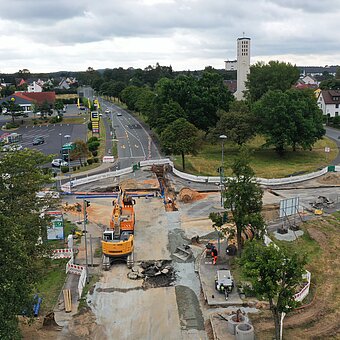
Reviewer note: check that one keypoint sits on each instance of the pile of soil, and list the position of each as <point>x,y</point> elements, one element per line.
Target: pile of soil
<point>187,195</point>
<point>270,212</point>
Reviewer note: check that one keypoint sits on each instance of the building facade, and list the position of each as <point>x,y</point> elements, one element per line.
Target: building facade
<point>329,102</point>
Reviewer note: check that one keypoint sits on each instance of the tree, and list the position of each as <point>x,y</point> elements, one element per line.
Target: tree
<point>13,109</point>
<point>44,108</point>
<point>272,76</point>
<point>290,118</point>
<point>80,151</point>
<point>181,137</point>
<point>22,256</point>
<point>275,275</point>
<point>244,198</point>
<point>59,105</point>
<point>238,123</point>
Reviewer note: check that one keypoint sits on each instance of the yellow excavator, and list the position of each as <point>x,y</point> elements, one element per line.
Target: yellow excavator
<point>117,241</point>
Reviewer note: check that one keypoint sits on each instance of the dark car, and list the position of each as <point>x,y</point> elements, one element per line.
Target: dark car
<point>38,140</point>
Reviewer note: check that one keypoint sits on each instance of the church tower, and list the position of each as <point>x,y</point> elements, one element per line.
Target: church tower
<point>243,65</point>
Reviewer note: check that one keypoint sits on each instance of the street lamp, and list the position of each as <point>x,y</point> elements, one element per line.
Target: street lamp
<point>222,137</point>
<point>68,159</point>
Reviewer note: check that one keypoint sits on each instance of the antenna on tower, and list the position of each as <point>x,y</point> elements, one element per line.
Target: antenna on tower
<point>243,34</point>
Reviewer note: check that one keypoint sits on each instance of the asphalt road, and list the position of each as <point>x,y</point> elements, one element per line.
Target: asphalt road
<point>134,142</point>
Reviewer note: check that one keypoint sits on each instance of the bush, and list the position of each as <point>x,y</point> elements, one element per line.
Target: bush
<point>92,139</point>
<point>74,168</point>
<point>96,159</point>
<point>93,146</point>
<point>94,153</point>
<point>64,169</point>
<point>78,167</point>
<point>10,125</point>
<point>89,126</point>
<point>56,119</point>
<point>90,161</point>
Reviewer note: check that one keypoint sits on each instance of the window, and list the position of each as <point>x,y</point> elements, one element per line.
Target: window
<point>336,106</point>
<point>336,114</point>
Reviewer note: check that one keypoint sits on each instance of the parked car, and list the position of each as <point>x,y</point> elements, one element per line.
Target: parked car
<point>12,147</point>
<point>58,162</point>
<point>38,140</point>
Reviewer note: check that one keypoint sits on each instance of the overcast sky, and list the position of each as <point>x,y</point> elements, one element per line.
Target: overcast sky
<point>50,35</point>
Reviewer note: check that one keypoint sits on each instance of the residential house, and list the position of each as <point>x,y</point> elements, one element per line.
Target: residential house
<point>34,87</point>
<point>329,102</point>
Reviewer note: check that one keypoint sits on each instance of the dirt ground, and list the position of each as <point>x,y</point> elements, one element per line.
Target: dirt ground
<point>320,318</point>
<point>330,178</point>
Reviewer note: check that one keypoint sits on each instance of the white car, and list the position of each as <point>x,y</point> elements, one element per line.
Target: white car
<point>12,147</point>
<point>58,162</point>
<point>107,111</point>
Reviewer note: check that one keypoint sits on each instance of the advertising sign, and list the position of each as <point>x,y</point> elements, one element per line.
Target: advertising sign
<point>55,231</point>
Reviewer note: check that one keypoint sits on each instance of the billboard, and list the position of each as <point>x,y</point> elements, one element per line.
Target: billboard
<point>289,206</point>
<point>55,230</point>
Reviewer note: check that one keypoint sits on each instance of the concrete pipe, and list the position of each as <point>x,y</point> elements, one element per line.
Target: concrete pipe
<point>233,321</point>
<point>245,331</point>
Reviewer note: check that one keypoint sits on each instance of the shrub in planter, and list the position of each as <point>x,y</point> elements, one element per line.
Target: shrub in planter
<point>90,161</point>
<point>93,146</point>
<point>96,159</point>
<point>92,139</point>
<point>94,153</point>
<point>64,169</point>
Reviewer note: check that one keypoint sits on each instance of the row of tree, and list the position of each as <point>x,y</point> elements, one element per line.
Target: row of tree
<point>23,256</point>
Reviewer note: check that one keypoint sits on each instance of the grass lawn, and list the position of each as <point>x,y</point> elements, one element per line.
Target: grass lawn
<point>51,283</point>
<point>320,317</point>
<point>265,162</point>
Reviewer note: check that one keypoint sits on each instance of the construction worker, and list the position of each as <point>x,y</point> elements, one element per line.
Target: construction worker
<point>214,254</point>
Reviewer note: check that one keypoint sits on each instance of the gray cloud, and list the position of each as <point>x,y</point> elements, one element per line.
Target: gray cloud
<point>172,30</point>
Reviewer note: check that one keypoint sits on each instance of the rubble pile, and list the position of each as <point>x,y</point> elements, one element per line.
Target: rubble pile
<point>154,273</point>
<point>322,202</point>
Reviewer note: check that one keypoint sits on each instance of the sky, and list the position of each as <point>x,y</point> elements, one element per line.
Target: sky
<point>72,35</point>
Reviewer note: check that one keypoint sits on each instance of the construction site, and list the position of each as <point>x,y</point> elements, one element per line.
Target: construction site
<point>148,252</point>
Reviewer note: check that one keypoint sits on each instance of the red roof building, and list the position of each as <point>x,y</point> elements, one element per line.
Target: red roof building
<point>38,97</point>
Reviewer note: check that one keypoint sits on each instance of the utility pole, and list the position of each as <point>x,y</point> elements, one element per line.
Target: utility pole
<point>85,205</point>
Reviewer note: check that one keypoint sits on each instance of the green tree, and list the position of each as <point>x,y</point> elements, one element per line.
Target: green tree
<point>275,275</point>
<point>290,118</point>
<point>243,198</point>
<point>272,76</point>
<point>181,137</point>
<point>12,108</point>
<point>22,256</point>
<point>59,105</point>
<point>238,123</point>
<point>80,151</point>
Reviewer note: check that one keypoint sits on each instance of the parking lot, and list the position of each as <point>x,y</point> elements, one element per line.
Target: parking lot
<point>54,136</point>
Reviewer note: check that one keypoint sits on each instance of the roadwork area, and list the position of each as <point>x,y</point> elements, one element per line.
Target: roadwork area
<point>168,295</point>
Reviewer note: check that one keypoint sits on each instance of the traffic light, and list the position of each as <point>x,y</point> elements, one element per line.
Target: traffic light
<point>87,203</point>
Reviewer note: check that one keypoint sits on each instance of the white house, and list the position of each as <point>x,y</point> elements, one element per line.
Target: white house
<point>329,102</point>
<point>34,87</point>
<point>310,80</point>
